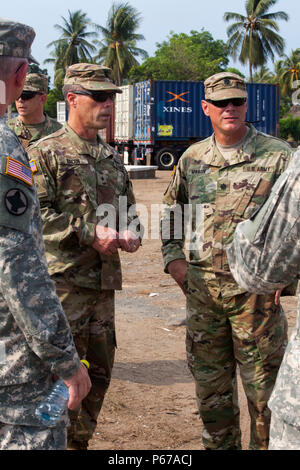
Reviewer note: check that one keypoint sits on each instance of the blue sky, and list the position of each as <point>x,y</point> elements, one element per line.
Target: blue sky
<point>159,18</point>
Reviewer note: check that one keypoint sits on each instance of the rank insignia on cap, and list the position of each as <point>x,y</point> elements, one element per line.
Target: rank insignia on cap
<point>16,202</point>
<point>18,170</point>
<point>33,166</point>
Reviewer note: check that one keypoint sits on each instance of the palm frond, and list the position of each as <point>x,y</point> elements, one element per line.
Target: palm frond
<point>254,38</point>
<point>118,46</point>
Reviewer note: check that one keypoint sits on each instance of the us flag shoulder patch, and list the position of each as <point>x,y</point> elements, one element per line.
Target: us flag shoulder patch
<point>19,171</point>
<point>33,166</point>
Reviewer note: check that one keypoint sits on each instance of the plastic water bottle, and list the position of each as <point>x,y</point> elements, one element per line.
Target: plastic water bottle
<point>53,406</point>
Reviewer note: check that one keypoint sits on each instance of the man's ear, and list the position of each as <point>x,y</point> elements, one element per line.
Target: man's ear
<point>72,100</point>
<point>44,98</point>
<point>21,74</point>
<point>205,107</point>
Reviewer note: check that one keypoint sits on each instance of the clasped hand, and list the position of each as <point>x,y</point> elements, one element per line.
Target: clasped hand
<point>107,241</point>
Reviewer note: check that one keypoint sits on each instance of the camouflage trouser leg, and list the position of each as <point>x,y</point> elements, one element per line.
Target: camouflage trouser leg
<point>91,317</point>
<point>247,330</point>
<point>15,437</point>
<point>283,436</point>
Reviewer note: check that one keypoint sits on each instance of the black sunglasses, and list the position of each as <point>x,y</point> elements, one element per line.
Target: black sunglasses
<point>99,96</point>
<point>28,95</point>
<point>224,103</point>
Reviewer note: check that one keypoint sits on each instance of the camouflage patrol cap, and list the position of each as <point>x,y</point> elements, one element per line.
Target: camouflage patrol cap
<point>91,77</point>
<point>16,40</point>
<point>224,85</point>
<point>36,82</point>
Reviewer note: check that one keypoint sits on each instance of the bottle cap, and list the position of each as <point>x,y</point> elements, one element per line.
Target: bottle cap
<point>86,363</point>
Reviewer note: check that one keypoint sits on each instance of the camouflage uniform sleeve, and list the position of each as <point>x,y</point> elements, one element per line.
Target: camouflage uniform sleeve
<point>265,253</point>
<point>32,301</point>
<point>172,220</point>
<point>57,226</point>
<point>24,280</point>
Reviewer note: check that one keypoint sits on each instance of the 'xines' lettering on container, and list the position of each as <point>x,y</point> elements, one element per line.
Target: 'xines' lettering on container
<point>178,109</point>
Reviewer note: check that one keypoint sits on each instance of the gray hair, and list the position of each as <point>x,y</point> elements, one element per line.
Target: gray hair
<point>68,89</point>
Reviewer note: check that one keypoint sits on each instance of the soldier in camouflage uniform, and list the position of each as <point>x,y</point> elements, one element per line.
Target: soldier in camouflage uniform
<point>221,181</point>
<point>78,176</point>
<point>265,256</point>
<point>33,123</point>
<point>35,337</point>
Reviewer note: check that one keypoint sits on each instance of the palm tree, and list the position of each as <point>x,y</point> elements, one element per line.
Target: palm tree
<point>118,47</point>
<point>56,60</point>
<point>289,71</point>
<point>263,75</point>
<point>73,45</point>
<point>254,38</point>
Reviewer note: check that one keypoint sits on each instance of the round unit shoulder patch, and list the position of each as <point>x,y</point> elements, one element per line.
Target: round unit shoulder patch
<point>16,202</point>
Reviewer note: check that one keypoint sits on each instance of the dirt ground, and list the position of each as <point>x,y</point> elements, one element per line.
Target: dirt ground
<point>150,404</point>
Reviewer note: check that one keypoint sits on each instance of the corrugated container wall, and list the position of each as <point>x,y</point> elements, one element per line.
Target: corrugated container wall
<point>171,110</point>
<point>143,101</point>
<point>124,114</point>
<point>61,112</point>
<point>263,107</point>
<point>178,112</point>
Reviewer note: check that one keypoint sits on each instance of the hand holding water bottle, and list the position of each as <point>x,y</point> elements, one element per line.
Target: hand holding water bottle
<point>64,393</point>
<point>79,386</point>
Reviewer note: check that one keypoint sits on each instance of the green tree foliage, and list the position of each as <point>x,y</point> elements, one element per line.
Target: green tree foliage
<point>254,38</point>
<point>290,128</point>
<point>73,46</point>
<point>264,75</point>
<point>53,96</point>
<point>236,71</point>
<point>288,69</point>
<point>193,56</point>
<point>284,106</point>
<point>118,48</point>
<point>34,68</point>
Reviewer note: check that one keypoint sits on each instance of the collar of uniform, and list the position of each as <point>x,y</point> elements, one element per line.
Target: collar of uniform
<point>84,148</point>
<point>47,118</point>
<point>21,130</point>
<point>211,155</point>
<point>245,154</point>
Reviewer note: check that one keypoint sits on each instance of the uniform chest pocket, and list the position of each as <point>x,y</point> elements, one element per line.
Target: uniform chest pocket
<point>78,181</point>
<point>111,183</point>
<point>242,193</point>
<point>202,187</point>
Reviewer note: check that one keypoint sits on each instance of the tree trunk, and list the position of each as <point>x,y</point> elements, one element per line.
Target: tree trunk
<point>250,54</point>
<point>119,78</point>
<point>250,72</point>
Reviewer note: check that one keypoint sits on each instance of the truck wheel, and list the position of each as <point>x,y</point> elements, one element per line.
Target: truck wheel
<point>166,159</point>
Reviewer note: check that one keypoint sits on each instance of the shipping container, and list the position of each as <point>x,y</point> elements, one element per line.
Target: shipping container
<point>168,117</point>
<point>61,112</point>
<point>124,114</point>
<point>123,130</point>
<point>263,107</point>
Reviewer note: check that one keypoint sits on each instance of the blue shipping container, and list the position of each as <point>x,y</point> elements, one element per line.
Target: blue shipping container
<point>171,111</point>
